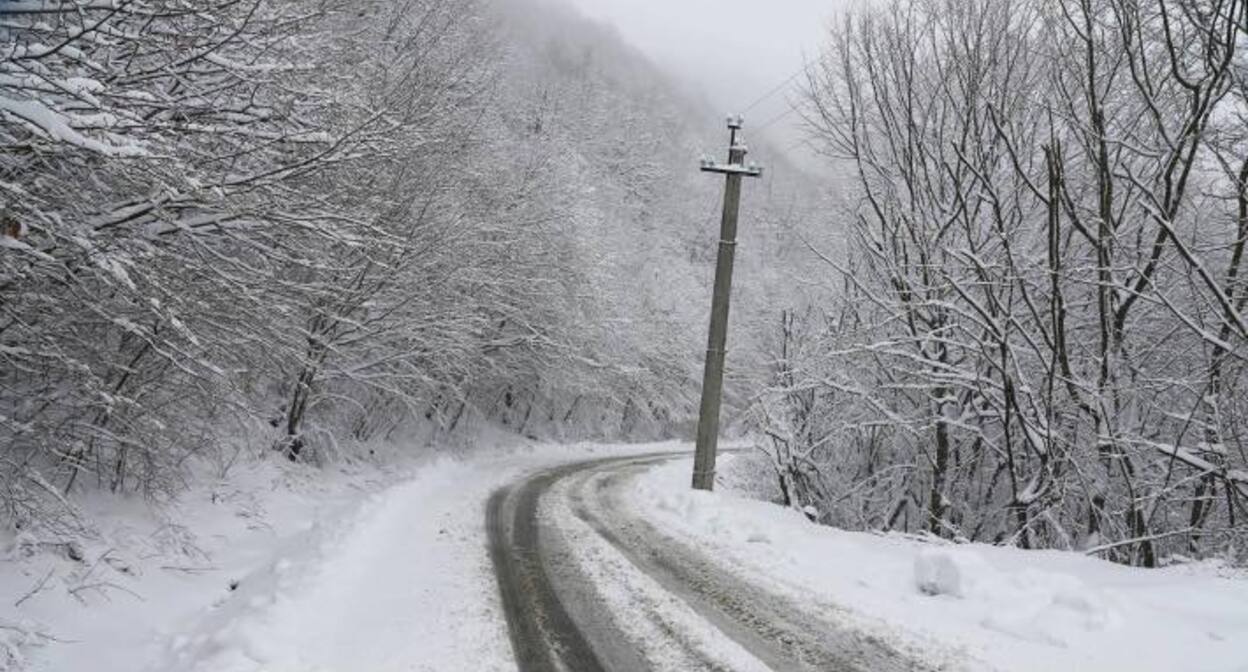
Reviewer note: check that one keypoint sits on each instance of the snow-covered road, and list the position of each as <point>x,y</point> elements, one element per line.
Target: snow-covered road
<point>589,558</point>
<point>590,585</point>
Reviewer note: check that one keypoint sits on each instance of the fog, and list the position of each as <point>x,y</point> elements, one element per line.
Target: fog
<point>731,52</point>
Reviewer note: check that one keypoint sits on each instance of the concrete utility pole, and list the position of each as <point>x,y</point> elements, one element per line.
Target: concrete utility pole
<point>713,375</point>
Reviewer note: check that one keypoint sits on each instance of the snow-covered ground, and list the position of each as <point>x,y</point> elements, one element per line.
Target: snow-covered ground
<point>969,605</point>
<point>279,568</point>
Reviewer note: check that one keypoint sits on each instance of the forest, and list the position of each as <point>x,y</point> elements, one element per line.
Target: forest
<point>1012,309</point>
<point>1041,338</point>
<point>237,228</point>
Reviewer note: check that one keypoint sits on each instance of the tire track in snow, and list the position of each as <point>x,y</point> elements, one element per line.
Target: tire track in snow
<point>778,631</point>
<point>554,616</point>
<point>543,635</point>
<point>548,635</point>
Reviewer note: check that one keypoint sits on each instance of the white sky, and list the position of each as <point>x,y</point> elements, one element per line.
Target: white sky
<point>733,50</point>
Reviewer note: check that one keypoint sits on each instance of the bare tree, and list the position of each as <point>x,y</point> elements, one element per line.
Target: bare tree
<point>1031,179</point>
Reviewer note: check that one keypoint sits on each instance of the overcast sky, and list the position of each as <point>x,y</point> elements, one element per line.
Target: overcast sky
<point>733,50</point>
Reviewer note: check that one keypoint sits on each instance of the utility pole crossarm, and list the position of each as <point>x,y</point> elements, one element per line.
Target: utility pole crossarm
<point>749,171</point>
<point>736,155</point>
<point>713,375</point>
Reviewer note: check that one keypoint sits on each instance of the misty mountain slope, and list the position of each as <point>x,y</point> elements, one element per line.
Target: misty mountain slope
<point>623,140</point>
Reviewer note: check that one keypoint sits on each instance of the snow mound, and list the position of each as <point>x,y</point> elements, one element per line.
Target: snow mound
<point>699,508</point>
<point>1029,604</point>
<point>949,571</point>
<point>1049,608</point>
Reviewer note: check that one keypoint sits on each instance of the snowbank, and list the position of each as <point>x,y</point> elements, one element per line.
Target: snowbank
<point>968,606</point>
<point>351,594</point>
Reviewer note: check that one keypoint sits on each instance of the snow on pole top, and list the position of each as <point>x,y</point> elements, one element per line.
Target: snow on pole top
<point>736,154</point>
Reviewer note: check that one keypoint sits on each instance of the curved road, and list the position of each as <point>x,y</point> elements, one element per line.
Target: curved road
<point>555,612</point>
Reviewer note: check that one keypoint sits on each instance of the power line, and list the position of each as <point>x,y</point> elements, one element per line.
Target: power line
<point>778,88</point>
<point>775,119</point>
